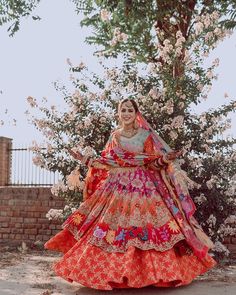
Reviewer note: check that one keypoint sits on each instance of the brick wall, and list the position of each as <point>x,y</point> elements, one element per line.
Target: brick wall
<point>22,214</point>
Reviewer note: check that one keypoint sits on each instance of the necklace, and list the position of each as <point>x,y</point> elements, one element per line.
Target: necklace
<point>129,133</point>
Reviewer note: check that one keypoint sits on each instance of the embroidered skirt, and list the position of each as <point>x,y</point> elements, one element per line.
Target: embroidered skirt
<point>124,236</point>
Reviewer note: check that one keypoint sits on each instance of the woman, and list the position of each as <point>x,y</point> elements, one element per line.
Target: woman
<point>135,226</point>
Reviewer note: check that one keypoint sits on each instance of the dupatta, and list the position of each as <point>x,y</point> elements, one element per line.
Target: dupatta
<point>178,200</point>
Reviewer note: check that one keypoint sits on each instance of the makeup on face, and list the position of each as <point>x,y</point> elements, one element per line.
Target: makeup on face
<point>127,113</point>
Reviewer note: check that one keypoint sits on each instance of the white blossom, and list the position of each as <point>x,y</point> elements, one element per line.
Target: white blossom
<point>55,214</point>
<point>58,187</point>
<point>38,160</point>
<point>200,199</point>
<point>105,15</point>
<point>177,122</point>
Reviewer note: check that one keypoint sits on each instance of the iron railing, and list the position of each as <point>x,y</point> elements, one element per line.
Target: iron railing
<point>25,173</point>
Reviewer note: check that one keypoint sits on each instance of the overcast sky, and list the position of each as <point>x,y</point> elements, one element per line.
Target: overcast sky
<point>36,57</point>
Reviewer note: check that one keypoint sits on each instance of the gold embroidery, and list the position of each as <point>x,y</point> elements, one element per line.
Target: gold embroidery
<point>110,236</point>
<point>173,226</point>
<point>143,245</point>
<point>77,219</point>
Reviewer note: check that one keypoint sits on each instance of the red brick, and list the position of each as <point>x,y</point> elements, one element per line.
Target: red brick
<point>24,214</point>
<point>34,203</point>
<point>4,219</point>
<point>232,248</point>
<point>52,226</point>
<point>5,197</point>
<point>9,213</point>
<point>18,225</point>
<point>5,208</point>
<point>17,231</point>
<point>32,237</point>
<point>5,230</point>
<point>30,225</point>
<point>11,202</point>
<point>17,219</point>
<point>43,220</point>
<point>37,214</point>
<point>45,238</point>
<point>16,213</point>
<point>31,231</point>
<point>227,240</point>
<point>45,203</point>
<point>5,236</point>
<point>29,215</point>
<point>55,231</point>
<point>30,220</point>
<point>20,203</point>
<point>45,231</point>
<point>4,224</point>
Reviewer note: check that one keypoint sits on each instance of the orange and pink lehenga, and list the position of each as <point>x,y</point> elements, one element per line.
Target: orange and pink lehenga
<point>135,226</point>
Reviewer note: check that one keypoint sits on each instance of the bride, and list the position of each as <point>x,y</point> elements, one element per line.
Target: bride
<point>135,226</point>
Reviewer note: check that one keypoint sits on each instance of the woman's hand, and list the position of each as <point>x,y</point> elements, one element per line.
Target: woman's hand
<point>173,155</point>
<point>77,155</point>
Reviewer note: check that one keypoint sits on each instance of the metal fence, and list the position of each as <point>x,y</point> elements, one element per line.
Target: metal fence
<point>25,173</point>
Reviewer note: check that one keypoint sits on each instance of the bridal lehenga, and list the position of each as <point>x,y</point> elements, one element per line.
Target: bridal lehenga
<point>135,226</point>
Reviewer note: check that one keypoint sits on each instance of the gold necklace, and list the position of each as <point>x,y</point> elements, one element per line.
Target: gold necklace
<point>130,133</point>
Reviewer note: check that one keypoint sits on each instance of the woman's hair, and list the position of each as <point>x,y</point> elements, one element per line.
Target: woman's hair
<point>134,103</point>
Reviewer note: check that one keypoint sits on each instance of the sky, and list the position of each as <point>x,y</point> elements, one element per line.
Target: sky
<point>36,57</point>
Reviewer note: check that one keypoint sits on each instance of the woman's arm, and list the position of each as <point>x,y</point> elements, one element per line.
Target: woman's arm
<point>163,160</point>
<point>85,159</point>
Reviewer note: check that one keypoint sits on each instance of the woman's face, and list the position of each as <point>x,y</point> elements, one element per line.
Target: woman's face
<point>127,113</point>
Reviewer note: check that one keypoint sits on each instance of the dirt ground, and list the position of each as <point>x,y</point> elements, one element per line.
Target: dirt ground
<point>30,273</point>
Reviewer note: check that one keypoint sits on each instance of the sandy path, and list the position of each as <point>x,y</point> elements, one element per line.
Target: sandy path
<point>31,274</point>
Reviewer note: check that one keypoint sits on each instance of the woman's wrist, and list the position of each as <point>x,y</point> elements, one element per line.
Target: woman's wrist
<point>87,160</point>
<point>166,159</point>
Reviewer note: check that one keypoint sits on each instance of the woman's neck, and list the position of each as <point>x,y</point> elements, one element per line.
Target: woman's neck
<point>128,127</point>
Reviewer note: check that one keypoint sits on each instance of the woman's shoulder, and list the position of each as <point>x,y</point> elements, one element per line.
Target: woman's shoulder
<point>144,133</point>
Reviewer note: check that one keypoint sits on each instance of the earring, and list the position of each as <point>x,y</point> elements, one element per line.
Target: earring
<point>136,125</point>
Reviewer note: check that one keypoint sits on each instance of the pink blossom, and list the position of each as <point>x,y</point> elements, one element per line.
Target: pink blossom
<point>105,15</point>
<point>32,101</point>
<point>177,122</point>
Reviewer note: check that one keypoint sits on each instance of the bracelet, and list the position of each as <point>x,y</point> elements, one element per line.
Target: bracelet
<point>85,159</point>
<point>162,161</point>
<point>165,160</point>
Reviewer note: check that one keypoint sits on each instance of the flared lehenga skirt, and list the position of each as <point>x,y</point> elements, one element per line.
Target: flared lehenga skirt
<point>124,236</point>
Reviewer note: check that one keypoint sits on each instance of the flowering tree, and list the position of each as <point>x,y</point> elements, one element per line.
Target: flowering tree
<point>163,56</point>
<point>12,11</point>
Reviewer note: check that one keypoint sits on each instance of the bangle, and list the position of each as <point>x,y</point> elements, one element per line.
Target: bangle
<point>87,160</point>
<point>84,159</point>
<point>165,160</point>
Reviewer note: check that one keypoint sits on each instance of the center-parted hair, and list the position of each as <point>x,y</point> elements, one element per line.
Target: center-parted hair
<point>133,102</point>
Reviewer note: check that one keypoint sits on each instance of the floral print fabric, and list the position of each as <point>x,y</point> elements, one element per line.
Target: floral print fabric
<point>123,234</point>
